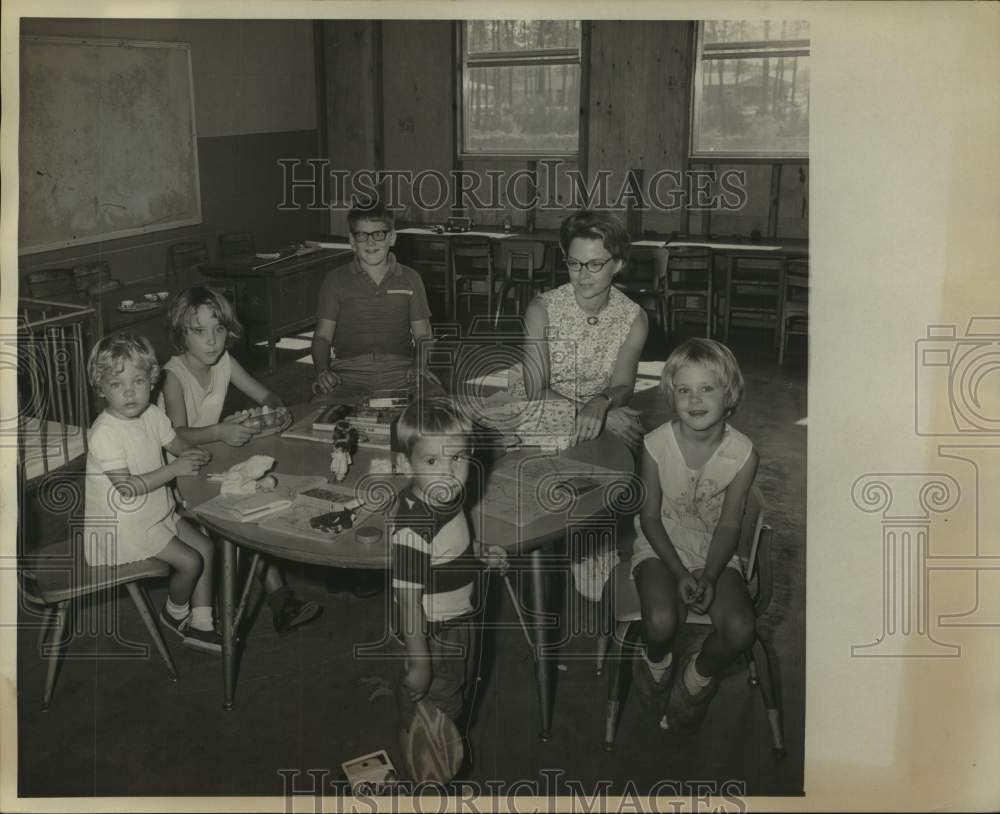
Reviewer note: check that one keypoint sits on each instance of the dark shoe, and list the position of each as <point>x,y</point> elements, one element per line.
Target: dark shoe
<point>368,583</point>
<point>652,693</point>
<point>176,626</point>
<point>295,613</point>
<point>207,641</point>
<point>685,711</point>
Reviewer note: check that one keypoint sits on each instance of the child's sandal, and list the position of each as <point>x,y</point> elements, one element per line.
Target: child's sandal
<point>652,693</point>
<point>685,712</point>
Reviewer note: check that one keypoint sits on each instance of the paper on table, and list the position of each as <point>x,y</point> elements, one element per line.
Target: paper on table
<point>655,243</point>
<point>325,244</point>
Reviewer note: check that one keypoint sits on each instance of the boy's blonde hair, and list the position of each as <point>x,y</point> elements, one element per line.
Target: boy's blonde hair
<point>109,356</point>
<point>713,355</point>
<point>185,305</point>
<point>431,416</point>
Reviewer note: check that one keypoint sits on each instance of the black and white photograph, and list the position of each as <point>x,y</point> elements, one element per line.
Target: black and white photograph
<point>413,410</point>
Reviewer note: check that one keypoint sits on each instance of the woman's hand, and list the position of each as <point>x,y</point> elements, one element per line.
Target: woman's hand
<point>234,433</point>
<point>624,422</point>
<point>590,419</point>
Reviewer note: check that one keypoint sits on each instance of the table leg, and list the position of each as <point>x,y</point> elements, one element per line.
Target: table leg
<point>543,672</point>
<point>272,355</point>
<point>728,301</point>
<point>228,633</point>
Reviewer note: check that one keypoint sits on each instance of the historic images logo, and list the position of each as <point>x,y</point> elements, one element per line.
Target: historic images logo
<point>956,397</point>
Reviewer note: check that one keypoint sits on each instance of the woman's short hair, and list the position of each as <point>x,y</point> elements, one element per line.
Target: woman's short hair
<point>593,225</point>
<point>109,356</point>
<point>711,354</point>
<point>184,307</point>
<point>428,417</point>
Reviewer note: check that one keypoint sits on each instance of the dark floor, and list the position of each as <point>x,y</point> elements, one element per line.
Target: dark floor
<point>118,726</point>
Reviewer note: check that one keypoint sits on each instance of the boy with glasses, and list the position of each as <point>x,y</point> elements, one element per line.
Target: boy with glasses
<point>371,313</point>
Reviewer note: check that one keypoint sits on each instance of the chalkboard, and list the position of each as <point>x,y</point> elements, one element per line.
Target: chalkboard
<point>107,140</point>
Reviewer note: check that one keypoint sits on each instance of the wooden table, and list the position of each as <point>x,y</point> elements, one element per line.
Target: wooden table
<point>299,457</point>
<point>276,299</point>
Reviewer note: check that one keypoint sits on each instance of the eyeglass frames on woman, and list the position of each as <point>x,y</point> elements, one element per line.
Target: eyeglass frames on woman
<point>378,236</point>
<point>593,266</point>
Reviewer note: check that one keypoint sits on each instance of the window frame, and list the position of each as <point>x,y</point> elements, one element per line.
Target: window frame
<point>504,59</point>
<point>730,50</point>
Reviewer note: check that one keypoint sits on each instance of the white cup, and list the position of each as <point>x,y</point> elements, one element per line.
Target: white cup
<point>150,297</point>
<point>128,303</point>
<point>163,295</point>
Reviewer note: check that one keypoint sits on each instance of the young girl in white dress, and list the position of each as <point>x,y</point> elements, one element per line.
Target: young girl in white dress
<point>130,513</point>
<point>201,327</point>
<point>697,471</point>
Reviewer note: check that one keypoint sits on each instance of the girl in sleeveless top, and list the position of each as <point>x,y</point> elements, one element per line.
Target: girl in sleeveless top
<point>697,471</point>
<point>201,327</point>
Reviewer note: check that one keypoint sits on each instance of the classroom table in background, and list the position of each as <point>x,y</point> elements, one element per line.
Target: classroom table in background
<point>275,298</point>
<point>148,320</point>
<point>530,537</point>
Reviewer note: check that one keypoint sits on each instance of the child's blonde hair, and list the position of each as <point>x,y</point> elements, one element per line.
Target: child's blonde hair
<point>109,356</point>
<point>713,355</point>
<point>431,416</point>
<point>184,307</point>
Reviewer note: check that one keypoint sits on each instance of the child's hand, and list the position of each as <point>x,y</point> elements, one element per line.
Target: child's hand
<point>417,680</point>
<point>687,585</point>
<point>199,454</point>
<point>190,461</point>
<point>706,593</point>
<point>494,556</point>
<point>234,433</point>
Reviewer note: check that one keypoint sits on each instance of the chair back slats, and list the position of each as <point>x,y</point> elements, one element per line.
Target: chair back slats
<point>184,259</point>
<point>51,284</point>
<point>94,278</point>
<point>235,243</point>
<point>52,390</point>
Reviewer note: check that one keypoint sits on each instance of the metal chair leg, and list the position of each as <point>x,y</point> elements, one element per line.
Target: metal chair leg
<point>55,651</point>
<point>615,685</point>
<point>769,694</point>
<point>141,602</point>
<point>752,678</point>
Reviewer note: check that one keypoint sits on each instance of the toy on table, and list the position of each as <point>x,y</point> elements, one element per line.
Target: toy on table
<point>248,477</point>
<point>263,420</point>
<point>337,520</point>
<point>345,442</point>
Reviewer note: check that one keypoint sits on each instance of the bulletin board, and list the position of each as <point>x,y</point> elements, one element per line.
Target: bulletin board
<point>107,144</point>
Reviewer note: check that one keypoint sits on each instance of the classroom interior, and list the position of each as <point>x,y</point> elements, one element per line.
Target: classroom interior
<point>384,94</point>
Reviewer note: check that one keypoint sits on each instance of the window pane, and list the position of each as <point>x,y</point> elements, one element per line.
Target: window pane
<point>520,35</point>
<point>758,105</point>
<point>519,109</point>
<point>716,31</point>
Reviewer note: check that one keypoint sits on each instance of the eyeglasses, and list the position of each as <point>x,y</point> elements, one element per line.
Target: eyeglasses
<point>593,266</point>
<point>378,236</point>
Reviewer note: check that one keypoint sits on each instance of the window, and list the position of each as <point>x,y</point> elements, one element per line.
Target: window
<point>521,87</point>
<point>751,89</point>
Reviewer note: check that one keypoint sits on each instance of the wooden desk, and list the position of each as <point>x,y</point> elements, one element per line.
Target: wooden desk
<point>297,457</point>
<point>151,323</point>
<point>277,299</point>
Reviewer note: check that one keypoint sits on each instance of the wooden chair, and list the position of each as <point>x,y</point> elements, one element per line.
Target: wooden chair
<point>430,258</point>
<point>689,286</point>
<point>794,304</point>
<point>184,260</point>
<point>232,244</point>
<point>754,293</point>
<point>57,285</point>
<point>522,262</point>
<point>93,279</point>
<point>57,575</point>
<point>54,397</point>
<point>642,280</point>
<point>471,273</point>
<point>620,594</point>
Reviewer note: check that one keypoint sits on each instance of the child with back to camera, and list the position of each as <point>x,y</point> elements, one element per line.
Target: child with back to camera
<point>202,327</point>
<point>697,471</point>
<point>127,483</point>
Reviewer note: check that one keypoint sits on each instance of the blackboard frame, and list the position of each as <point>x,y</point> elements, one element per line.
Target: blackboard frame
<point>192,214</point>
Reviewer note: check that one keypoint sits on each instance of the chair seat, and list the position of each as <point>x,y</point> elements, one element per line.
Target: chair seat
<point>61,575</point>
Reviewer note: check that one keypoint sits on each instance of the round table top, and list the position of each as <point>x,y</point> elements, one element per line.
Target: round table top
<point>517,534</point>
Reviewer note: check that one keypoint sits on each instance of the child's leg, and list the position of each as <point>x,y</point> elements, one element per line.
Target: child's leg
<point>289,612</point>
<point>201,597</point>
<point>662,608</point>
<point>733,624</point>
<point>186,568</point>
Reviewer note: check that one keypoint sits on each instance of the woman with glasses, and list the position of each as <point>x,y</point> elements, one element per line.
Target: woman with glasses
<point>589,335</point>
